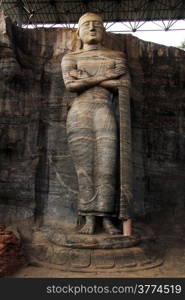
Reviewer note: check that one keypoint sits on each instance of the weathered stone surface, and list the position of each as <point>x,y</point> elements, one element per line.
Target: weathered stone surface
<point>102,241</point>
<point>37,179</point>
<point>80,258</point>
<point>100,144</point>
<point>90,253</point>
<point>91,260</point>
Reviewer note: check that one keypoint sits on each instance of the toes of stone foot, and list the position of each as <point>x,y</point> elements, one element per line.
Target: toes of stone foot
<point>86,230</point>
<point>82,231</point>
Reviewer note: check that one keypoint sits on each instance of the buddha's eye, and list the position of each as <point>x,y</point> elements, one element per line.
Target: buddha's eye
<point>97,23</point>
<point>86,24</point>
<point>94,23</point>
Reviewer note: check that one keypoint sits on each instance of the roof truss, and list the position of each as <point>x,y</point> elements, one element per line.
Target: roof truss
<point>41,12</point>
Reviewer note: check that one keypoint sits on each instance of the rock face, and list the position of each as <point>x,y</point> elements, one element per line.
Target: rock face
<point>38,181</point>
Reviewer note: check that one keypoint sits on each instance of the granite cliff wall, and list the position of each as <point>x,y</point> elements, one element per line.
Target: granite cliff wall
<point>37,178</point>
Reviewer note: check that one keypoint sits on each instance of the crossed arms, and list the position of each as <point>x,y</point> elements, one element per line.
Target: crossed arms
<point>78,80</point>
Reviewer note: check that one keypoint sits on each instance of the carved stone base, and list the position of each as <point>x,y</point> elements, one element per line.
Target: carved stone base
<point>99,241</point>
<point>82,253</point>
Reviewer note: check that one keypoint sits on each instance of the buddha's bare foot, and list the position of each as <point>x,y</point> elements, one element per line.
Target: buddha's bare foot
<point>109,227</point>
<point>89,226</point>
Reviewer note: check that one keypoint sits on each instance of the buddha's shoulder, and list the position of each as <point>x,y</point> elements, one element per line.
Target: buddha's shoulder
<point>113,53</point>
<point>69,55</point>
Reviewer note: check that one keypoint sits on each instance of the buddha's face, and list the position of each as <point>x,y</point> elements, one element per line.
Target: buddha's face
<point>91,31</point>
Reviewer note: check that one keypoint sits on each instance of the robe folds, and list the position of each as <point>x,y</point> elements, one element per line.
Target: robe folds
<point>99,138</point>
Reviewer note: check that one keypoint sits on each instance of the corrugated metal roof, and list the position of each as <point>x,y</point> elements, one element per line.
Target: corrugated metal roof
<point>69,11</point>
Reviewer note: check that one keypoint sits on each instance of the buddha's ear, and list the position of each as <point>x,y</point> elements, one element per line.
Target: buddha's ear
<point>80,45</point>
<point>77,33</point>
<point>104,37</point>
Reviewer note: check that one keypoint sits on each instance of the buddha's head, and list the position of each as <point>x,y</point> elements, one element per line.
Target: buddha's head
<point>90,28</point>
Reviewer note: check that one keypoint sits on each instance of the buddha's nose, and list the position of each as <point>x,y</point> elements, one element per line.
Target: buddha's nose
<point>91,27</point>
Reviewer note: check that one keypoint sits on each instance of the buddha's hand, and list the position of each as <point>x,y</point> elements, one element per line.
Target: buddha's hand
<point>79,74</point>
<point>123,81</point>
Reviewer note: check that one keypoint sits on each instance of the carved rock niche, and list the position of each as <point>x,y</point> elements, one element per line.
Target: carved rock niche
<point>38,185</point>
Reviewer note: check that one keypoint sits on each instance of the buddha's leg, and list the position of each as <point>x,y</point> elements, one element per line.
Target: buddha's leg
<point>81,145</point>
<point>105,165</point>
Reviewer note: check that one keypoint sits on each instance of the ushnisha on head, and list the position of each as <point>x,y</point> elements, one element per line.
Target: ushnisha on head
<point>90,29</point>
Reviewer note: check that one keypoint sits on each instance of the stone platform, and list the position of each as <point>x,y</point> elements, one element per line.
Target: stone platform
<point>97,253</point>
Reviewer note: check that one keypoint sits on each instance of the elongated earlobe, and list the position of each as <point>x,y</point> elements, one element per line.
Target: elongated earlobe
<point>79,40</point>
<point>103,38</point>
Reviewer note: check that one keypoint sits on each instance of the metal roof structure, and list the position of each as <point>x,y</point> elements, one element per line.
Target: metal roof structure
<point>37,12</point>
